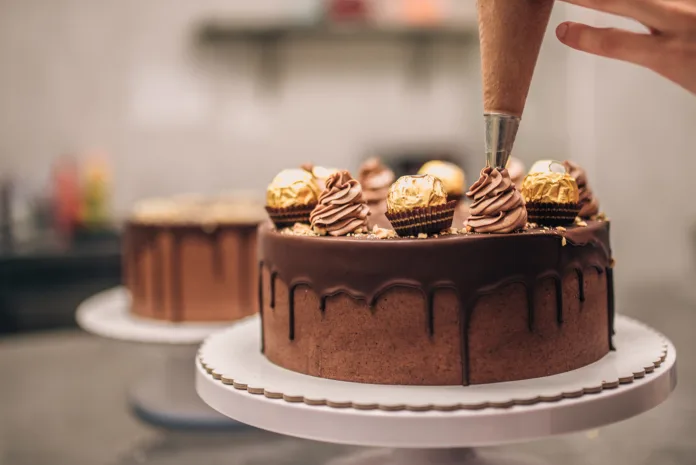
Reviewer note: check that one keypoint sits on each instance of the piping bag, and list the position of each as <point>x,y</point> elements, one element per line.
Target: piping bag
<point>511,33</point>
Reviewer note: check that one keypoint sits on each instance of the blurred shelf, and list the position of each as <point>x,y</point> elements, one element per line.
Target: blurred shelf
<point>46,249</point>
<point>217,30</point>
<point>269,37</point>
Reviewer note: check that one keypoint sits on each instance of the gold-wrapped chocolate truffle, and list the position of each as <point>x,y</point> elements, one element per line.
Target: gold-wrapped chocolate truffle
<point>291,197</point>
<point>552,198</point>
<point>291,188</point>
<point>320,174</point>
<point>418,204</point>
<point>421,191</point>
<point>450,174</point>
<point>547,166</point>
<point>557,188</point>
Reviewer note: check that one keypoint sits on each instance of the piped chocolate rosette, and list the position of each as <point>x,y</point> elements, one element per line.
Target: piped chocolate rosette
<point>342,209</point>
<point>375,179</point>
<point>552,198</point>
<point>418,205</point>
<point>589,205</point>
<point>497,206</point>
<point>452,177</point>
<point>291,197</point>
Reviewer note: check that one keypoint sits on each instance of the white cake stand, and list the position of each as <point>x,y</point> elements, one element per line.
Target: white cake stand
<point>441,423</point>
<point>166,396</point>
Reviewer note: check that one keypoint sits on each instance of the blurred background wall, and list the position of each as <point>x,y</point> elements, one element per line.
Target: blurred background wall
<point>172,113</point>
<point>131,78</point>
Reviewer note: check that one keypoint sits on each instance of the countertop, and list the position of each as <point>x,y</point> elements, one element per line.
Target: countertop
<point>63,401</point>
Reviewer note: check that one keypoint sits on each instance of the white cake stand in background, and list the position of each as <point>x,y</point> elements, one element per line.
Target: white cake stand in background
<point>166,395</point>
<point>433,425</point>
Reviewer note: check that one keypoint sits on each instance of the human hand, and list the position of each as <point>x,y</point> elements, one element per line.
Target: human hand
<point>668,47</point>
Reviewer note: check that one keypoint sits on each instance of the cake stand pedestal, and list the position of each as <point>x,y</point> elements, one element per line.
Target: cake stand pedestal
<point>441,423</point>
<point>166,395</point>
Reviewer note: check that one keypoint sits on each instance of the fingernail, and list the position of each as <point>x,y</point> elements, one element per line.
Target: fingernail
<point>562,30</point>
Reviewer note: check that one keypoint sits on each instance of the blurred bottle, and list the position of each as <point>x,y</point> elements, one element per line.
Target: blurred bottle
<point>423,12</point>
<point>94,211</point>
<point>340,11</point>
<point>16,215</point>
<point>306,12</point>
<point>34,206</point>
<point>65,195</point>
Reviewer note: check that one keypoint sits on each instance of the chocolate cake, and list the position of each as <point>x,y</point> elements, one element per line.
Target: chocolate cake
<point>192,259</point>
<point>458,307</point>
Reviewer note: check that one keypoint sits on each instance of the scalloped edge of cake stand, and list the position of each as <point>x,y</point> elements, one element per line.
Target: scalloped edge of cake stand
<point>609,373</point>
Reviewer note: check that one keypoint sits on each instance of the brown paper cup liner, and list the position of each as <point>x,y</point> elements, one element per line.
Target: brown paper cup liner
<point>287,217</point>
<point>428,220</point>
<point>552,214</point>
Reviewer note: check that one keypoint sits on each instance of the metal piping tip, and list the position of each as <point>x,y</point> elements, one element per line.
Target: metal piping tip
<point>501,131</point>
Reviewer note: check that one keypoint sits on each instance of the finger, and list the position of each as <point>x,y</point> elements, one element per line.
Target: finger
<point>649,12</point>
<point>640,49</point>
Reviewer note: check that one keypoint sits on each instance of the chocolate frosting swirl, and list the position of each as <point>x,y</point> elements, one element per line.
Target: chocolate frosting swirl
<point>589,205</point>
<point>342,209</point>
<point>375,179</point>
<point>497,205</point>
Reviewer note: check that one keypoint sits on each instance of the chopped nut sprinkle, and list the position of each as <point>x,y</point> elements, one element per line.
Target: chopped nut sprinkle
<point>580,222</point>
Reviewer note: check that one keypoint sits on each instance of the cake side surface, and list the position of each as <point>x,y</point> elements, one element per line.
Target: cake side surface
<point>442,311</point>
<point>191,272</point>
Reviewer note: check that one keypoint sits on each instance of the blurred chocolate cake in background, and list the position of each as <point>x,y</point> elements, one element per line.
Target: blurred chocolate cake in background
<point>192,258</point>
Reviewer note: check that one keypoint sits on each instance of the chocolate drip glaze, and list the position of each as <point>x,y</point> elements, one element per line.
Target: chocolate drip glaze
<point>465,320</point>
<point>176,278</point>
<point>610,304</point>
<point>263,341</point>
<point>216,251</point>
<point>364,269</point>
<point>274,276</point>
<point>431,313</point>
<point>581,284</point>
<point>158,272</point>
<point>291,311</point>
